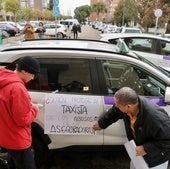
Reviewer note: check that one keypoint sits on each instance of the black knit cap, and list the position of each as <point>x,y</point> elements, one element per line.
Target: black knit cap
<point>29,64</point>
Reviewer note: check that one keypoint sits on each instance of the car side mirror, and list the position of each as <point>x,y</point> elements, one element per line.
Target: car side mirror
<point>122,47</point>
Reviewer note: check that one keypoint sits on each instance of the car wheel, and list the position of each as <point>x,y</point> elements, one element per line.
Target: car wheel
<point>59,35</point>
<point>41,152</point>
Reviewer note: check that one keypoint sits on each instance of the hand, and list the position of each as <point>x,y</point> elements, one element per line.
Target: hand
<point>38,106</point>
<point>140,151</point>
<point>96,127</point>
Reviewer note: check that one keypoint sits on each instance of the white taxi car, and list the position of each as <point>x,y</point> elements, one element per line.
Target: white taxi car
<point>76,85</point>
<point>153,47</point>
<point>55,30</point>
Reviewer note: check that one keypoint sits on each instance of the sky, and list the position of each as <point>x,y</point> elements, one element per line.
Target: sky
<point>67,7</point>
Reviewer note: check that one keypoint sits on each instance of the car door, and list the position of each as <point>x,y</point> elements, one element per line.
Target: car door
<point>65,92</point>
<point>155,50</point>
<point>118,74</point>
<point>50,29</point>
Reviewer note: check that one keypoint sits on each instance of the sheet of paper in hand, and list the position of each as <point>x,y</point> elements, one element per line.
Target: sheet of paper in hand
<point>138,161</point>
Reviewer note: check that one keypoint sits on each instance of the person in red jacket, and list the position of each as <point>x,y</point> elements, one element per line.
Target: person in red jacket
<point>17,113</point>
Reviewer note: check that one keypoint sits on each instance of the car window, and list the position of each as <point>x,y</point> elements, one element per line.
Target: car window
<point>63,75</point>
<point>49,26</point>
<point>132,31</point>
<point>141,44</point>
<point>58,26</point>
<point>165,47</point>
<point>52,26</point>
<point>118,74</point>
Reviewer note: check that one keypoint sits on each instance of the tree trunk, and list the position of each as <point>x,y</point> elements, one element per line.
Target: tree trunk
<point>168,27</point>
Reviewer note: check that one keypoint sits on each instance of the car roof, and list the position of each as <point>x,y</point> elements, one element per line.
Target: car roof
<point>12,51</point>
<point>81,45</point>
<point>130,28</point>
<point>60,44</point>
<point>125,35</point>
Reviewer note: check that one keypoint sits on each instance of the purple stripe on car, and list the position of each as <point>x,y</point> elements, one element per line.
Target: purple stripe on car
<point>166,57</point>
<point>108,100</point>
<point>158,101</point>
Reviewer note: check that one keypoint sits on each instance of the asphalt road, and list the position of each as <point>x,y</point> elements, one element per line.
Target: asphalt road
<point>87,32</point>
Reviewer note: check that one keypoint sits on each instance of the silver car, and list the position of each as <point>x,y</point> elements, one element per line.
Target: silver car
<point>76,85</point>
<point>153,47</point>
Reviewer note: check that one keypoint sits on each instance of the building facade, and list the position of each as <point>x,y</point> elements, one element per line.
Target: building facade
<point>35,4</point>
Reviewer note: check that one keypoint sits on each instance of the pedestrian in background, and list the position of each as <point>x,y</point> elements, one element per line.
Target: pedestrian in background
<point>17,113</point>
<point>68,31</point>
<point>29,31</point>
<point>146,123</point>
<point>75,31</point>
<point>79,28</point>
<point>40,30</point>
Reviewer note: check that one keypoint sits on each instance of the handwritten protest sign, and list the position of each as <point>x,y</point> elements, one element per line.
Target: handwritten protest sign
<point>71,114</point>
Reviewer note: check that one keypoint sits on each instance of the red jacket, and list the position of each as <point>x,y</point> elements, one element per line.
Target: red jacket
<point>16,112</point>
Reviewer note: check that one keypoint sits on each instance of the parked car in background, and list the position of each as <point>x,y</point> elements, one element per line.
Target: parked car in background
<point>55,30</point>
<point>128,30</point>
<point>76,85</point>
<point>11,30</point>
<point>153,47</point>
<point>4,34</point>
<point>69,22</point>
<point>16,25</point>
<point>110,29</point>
<point>166,35</point>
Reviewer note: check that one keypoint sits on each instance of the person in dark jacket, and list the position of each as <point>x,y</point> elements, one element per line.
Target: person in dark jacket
<point>40,30</point>
<point>75,31</point>
<point>146,123</point>
<point>17,113</point>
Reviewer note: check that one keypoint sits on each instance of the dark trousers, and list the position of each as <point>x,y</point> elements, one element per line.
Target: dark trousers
<point>75,35</point>
<point>21,159</point>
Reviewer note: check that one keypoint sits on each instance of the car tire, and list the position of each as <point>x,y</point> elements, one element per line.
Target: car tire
<point>59,35</point>
<point>41,152</point>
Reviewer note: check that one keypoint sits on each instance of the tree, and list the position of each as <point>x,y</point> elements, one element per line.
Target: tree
<point>37,14</point>
<point>1,6</point>
<point>168,27</point>
<point>12,6</point>
<point>165,6</point>
<point>126,12</point>
<point>99,7</point>
<point>50,5</point>
<point>148,19</point>
<point>48,14</point>
<point>147,8</point>
<point>82,12</point>
<point>27,13</point>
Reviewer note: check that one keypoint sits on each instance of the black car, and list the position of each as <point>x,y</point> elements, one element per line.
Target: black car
<point>11,30</point>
